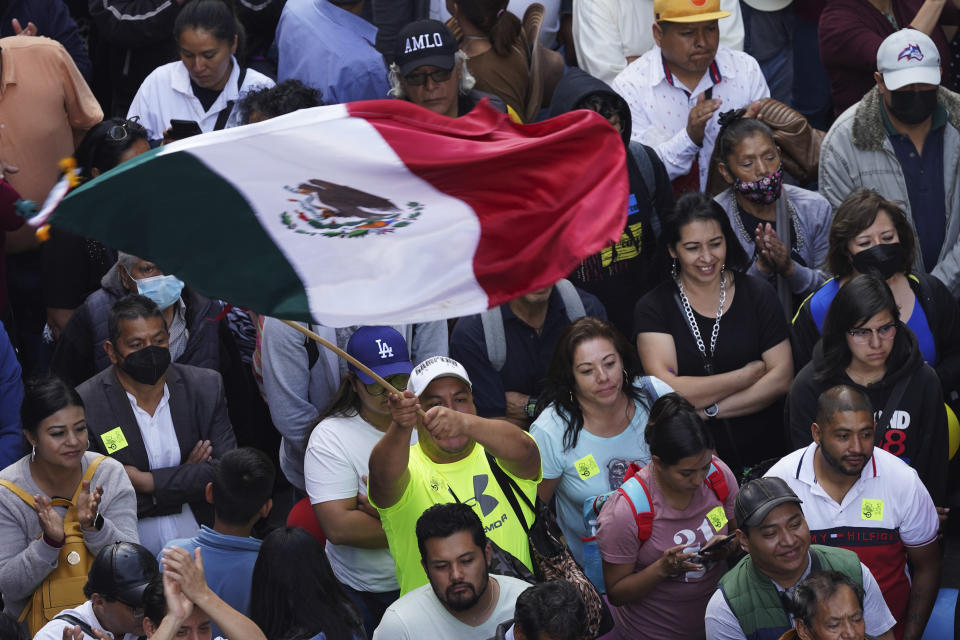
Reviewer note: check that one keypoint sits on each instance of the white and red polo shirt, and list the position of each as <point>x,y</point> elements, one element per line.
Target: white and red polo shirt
<point>887,510</point>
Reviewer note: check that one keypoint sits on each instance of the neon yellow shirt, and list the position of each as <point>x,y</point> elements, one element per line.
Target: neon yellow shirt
<point>474,484</point>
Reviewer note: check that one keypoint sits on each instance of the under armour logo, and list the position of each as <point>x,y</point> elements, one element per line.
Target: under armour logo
<point>487,503</point>
<point>385,350</point>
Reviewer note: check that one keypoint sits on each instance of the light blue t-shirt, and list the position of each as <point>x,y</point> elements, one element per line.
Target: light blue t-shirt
<point>596,465</point>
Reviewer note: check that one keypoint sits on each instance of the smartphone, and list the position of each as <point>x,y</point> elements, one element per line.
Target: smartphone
<point>180,129</point>
<point>716,546</point>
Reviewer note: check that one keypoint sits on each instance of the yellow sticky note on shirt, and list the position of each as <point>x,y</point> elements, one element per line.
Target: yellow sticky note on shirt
<point>586,466</point>
<point>871,509</point>
<point>718,518</point>
<point>114,440</point>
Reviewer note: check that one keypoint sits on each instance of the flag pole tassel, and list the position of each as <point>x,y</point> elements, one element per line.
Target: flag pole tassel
<point>346,356</point>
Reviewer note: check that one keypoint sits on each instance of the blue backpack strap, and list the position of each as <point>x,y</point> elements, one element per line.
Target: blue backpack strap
<point>636,492</point>
<point>820,301</point>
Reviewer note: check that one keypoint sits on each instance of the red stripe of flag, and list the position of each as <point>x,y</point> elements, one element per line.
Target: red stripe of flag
<point>544,193</point>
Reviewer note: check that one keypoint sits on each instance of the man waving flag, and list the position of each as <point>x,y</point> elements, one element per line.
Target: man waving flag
<point>366,213</point>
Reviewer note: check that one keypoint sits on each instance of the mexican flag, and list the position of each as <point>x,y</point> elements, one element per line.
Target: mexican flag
<point>375,212</point>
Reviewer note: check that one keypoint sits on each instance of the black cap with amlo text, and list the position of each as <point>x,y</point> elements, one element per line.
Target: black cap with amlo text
<point>425,43</point>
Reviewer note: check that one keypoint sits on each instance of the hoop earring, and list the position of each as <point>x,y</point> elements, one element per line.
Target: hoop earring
<point>626,378</point>
<point>33,453</point>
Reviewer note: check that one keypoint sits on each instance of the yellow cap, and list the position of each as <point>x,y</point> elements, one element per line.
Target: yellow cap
<point>687,10</point>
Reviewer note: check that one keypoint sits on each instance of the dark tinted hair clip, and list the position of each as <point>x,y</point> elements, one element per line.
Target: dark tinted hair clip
<point>729,117</point>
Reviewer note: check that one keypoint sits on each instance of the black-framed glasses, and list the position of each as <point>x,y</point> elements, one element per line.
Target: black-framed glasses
<point>399,382</point>
<point>862,335</point>
<point>438,76</point>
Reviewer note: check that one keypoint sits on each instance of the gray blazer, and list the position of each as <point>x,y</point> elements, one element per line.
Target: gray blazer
<point>199,412</point>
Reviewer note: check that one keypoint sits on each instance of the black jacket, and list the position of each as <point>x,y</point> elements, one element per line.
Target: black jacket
<point>623,273</point>
<point>53,20</point>
<point>942,313</point>
<point>79,352</point>
<point>917,429</point>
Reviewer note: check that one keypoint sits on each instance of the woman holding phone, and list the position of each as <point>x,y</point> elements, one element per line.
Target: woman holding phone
<point>206,84</point>
<point>662,560</point>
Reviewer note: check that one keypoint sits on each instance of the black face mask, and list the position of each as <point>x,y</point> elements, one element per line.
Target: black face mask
<point>882,259</point>
<point>147,365</point>
<point>912,107</point>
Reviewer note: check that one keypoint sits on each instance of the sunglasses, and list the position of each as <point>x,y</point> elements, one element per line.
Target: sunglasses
<point>862,335</point>
<point>438,76</point>
<point>120,132</point>
<point>399,382</point>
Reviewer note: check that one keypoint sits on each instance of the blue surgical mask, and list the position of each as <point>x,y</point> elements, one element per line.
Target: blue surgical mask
<point>164,290</point>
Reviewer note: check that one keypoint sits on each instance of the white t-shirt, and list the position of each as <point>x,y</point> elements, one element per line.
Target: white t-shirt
<point>595,466</point>
<point>721,624</point>
<point>53,630</point>
<point>419,615</point>
<point>337,456</point>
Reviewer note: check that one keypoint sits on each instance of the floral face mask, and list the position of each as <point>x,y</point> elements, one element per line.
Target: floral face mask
<point>764,191</point>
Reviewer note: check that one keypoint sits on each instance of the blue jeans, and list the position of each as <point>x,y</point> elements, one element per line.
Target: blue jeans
<point>768,37</point>
<point>811,84</point>
<point>371,605</point>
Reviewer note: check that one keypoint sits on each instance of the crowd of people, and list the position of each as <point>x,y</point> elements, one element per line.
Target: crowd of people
<point>738,419</point>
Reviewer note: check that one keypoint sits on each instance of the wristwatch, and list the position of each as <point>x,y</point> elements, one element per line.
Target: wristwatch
<point>712,411</point>
<point>531,407</point>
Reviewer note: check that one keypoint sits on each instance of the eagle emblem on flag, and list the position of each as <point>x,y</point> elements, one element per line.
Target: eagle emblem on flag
<point>339,211</point>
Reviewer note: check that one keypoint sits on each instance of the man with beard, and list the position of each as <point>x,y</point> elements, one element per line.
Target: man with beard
<point>868,501</point>
<point>458,458</point>
<point>166,423</point>
<point>463,600</point>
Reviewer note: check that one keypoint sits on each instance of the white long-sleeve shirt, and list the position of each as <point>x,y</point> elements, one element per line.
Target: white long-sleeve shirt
<point>660,104</point>
<point>607,32</point>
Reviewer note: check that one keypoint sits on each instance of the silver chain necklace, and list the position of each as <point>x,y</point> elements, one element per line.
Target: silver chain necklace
<point>708,366</point>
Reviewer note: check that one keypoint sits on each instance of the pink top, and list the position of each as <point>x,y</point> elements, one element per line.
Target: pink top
<point>675,608</point>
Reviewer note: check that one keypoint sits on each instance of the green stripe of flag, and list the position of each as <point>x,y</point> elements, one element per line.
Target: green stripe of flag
<point>172,182</point>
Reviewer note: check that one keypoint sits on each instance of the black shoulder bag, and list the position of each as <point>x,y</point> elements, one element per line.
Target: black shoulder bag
<point>224,114</point>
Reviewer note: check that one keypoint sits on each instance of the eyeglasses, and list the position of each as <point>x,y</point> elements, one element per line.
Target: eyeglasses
<point>862,335</point>
<point>438,76</point>
<point>119,132</point>
<point>399,382</point>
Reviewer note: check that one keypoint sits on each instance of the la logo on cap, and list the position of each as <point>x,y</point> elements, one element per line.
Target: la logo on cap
<point>911,52</point>
<point>423,41</point>
<point>383,349</point>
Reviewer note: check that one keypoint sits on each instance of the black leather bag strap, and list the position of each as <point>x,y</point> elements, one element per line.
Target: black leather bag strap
<point>75,621</point>
<point>892,401</point>
<point>224,114</point>
<point>511,490</point>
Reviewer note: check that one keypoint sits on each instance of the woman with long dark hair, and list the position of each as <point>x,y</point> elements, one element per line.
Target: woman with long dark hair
<point>593,412</point>
<point>662,578</point>
<point>295,595</point>
<point>866,345</point>
<point>718,336</point>
<point>33,536</point>
<point>205,85</point>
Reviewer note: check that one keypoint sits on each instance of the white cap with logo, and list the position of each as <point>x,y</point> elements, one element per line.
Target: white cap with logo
<point>433,368</point>
<point>907,57</point>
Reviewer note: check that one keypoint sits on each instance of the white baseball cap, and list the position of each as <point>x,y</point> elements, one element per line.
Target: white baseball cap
<point>433,368</point>
<point>906,57</point>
